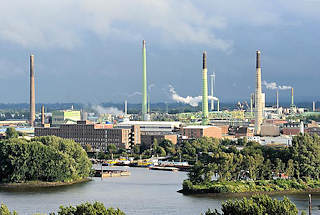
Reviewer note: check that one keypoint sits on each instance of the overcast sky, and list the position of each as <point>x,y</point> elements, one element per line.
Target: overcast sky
<point>90,50</point>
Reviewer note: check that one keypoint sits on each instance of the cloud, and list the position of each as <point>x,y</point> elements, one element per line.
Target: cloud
<point>63,24</point>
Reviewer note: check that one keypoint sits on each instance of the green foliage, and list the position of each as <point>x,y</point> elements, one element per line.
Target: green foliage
<point>87,208</point>
<point>49,159</point>
<point>5,211</point>
<point>97,208</point>
<point>255,162</point>
<point>257,205</point>
<point>11,133</point>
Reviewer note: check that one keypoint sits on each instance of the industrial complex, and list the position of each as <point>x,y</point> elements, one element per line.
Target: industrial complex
<point>256,122</point>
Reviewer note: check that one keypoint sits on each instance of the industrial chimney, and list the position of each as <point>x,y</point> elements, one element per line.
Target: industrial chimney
<point>258,96</point>
<point>292,100</point>
<point>277,99</point>
<point>144,81</point>
<point>32,93</point>
<point>204,90</point>
<point>213,80</point>
<point>42,115</point>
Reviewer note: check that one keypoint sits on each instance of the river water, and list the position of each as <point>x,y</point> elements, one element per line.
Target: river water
<point>145,192</point>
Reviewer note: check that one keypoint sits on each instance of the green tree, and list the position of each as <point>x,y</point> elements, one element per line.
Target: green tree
<point>5,211</point>
<point>97,208</point>
<point>257,205</point>
<point>11,133</point>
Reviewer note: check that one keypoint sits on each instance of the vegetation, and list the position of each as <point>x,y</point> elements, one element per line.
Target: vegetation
<point>96,208</point>
<point>257,205</point>
<point>255,164</point>
<point>47,159</point>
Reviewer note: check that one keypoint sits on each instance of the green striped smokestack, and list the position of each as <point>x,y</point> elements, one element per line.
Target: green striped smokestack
<point>204,90</point>
<point>144,80</point>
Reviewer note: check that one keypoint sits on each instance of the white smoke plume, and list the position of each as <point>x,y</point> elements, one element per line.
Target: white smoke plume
<point>134,94</point>
<point>274,86</point>
<point>107,110</point>
<point>193,101</point>
<point>151,86</point>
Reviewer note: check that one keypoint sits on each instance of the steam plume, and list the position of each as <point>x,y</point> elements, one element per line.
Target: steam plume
<point>193,101</point>
<point>274,86</point>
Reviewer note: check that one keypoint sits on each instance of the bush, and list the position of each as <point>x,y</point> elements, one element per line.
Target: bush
<point>257,205</point>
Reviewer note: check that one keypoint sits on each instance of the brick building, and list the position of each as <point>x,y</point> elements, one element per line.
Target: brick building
<point>193,132</point>
<point>99,136</point>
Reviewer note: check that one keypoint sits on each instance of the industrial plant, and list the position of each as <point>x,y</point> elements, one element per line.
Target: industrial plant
<point>99,128</point>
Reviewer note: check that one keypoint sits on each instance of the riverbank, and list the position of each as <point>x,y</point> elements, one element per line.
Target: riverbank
<point>280,186</point>
<point>35,184</point>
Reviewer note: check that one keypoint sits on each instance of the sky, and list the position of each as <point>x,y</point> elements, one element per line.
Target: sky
<point>90,51</point>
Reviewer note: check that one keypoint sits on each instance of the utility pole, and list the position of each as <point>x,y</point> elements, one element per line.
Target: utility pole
<point>310,204</point>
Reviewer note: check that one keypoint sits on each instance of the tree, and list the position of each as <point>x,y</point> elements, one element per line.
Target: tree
<point>5,211</point>
<point>11,133</point>
<point>88,148</point>
<point>111,148</point>
<point>97,208</point>
<point>257,205</point>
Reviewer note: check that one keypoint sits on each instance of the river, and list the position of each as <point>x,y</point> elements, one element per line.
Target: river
<point>145,192</point>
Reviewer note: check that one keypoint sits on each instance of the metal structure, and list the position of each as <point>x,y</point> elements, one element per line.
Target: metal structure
<point>204,90</point>
<point>258,96</point>
<point>144,82</point>
<point>32,93</point>
<point>213,84</point>
<point>42,115</point>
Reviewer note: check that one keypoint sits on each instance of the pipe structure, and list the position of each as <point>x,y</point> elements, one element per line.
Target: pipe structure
<point>218,105</point>
<point>292,100</point>
<point>144,81</point>
<point>32,93</point>
<point>204,90</point>
<point>149,104</point>
<point>251,104</point>
<point>313,106</point>
<point>42,115</point>
<point>213,83</point>
<point>258,96</point>
<point>125,107</point>
<point>277,99</point>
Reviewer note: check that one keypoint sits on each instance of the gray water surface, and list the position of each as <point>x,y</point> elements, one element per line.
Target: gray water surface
<point>145,192</point>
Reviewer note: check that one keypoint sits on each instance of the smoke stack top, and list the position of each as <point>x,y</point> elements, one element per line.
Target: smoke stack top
<point>204,60</point>
<point>258,59</point>
<point>144,43</point>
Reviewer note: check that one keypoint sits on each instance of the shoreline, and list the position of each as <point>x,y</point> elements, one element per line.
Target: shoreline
<point>36,184</point>
<point>249,193</point>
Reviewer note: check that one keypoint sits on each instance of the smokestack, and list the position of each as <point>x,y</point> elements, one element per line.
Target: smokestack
<point>144,80</point>
<point>218,105</point>
<point>42,115</point>
<point>149,104</point>
<point>258,96</point>
<point>32,93</point>
<point>213,80</point>
<point>125,107</point>
<point>313,106</point>
<point>292,101</point>
<point>277,99</point>
<point>204,90</point>
<point>251,103</point>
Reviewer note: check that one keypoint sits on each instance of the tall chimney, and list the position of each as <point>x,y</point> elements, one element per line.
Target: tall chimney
<point>277,99</point>
<point>32,93</point>
<point>313,106</point>
<point>144,81</point>
<point>42,115</point>
<point>213,79</point>
<point>218,105</point>
<point>292,100</point>
<point>251,103</point>
<point>125,107</point>
<point>258,96</point>
<point>204,90</point>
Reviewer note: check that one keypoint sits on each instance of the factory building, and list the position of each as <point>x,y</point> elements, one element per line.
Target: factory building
<point>270,130</point>
<point>149,139</point>
<point>99,136</point>
<point>152,126</point>
<point>194,132</point>
<point>65,117</point>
